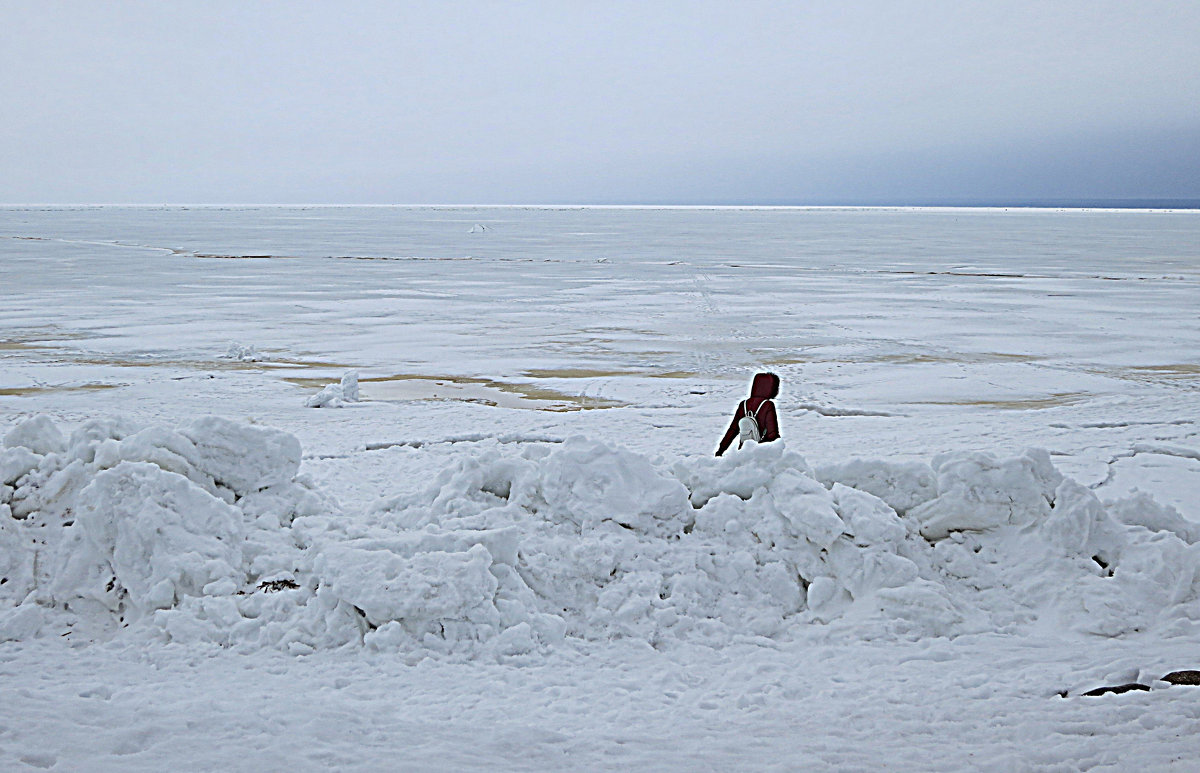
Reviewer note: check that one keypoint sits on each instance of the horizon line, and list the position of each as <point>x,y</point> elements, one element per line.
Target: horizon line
<point>1090,205</point>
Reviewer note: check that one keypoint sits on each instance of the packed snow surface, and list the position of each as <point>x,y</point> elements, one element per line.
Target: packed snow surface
<point>528,558</point>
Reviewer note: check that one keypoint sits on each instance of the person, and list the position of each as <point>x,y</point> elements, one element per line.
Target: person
<point>762,391</point>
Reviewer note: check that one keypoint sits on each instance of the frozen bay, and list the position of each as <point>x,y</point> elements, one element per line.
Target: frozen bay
<point>966,325</point>
<point>899,335</point>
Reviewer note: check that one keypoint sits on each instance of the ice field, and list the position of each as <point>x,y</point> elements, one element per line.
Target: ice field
<point>433,489</point>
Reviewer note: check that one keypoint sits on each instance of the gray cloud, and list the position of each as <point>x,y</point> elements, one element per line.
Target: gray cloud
<point>507,102</point>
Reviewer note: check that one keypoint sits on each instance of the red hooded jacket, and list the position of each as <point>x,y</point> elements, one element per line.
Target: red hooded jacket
<point>764,387</point>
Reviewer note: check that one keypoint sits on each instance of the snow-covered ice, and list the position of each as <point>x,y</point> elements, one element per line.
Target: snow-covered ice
<point>985,499</point>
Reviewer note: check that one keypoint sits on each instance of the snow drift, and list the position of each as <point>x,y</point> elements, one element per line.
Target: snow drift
<point>208,532</point>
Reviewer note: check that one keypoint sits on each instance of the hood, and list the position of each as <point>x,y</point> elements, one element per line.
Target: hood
<point>766,385</point>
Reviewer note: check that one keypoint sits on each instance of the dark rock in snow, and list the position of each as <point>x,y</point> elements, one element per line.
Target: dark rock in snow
<point>1183,677</point>
<point>1117,690</point>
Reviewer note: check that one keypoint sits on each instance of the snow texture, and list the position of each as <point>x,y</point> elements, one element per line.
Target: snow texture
<point>449,585</point>
<point>207,533</point>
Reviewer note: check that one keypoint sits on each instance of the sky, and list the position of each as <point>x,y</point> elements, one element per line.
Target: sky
<point>599,102</point>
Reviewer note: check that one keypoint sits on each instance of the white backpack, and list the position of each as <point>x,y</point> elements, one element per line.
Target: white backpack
<point>748,424</point>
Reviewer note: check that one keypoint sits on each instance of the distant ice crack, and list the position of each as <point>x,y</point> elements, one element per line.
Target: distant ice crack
<point>1120,424</point>
<point>1179,452</point>
<point>827,410</point>
<point>502,439</point>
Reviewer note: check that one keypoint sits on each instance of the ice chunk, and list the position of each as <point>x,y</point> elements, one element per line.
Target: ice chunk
<point>807,506</point>
<point>330,396</point>
<point>16,558</point>
<point>167,448</point>
<point>16,462</point>
<point>336,395</point>
<point>50,488</point>
<point>1154,578</point>
<point>1080,526</point>
<point>350,386</point>
<point>39,434</point>
<point>241,353</point>
<point>979,491</point>
<point>284,503</point>
<point>869,518</point>
<point>1141,509</point>
<point>423,592</point>
<point>740,472</point>
<point>903,485</point>
<point>822,594</point>
<point>586,483</point>
<point>154,533</point>
<point>91,434</point>
<point>243,457</point>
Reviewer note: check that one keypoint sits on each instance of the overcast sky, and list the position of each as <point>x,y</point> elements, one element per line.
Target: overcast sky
<point>734,102</point>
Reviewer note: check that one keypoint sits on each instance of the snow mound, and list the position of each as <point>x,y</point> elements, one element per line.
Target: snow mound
<point>208,533</point>
<point>336,395</point>
<point>144,537</point>
<point>241,353</point>
<point>979,491</point>
<point>120,521</point>
<point>241,457</point>
<point>902,485</point>
<point>1141,509</point>
<point>37,434</point>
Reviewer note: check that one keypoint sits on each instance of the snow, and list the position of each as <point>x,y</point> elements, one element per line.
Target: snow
<point>902,485</point>
<point>958,527</point>
<point>512,546</point>
<point>242,353</point>
<point>336,395</point>
<point>38,434</point>
<point>242,458</point>
<point>142,539</point>
<point>978,491</point>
